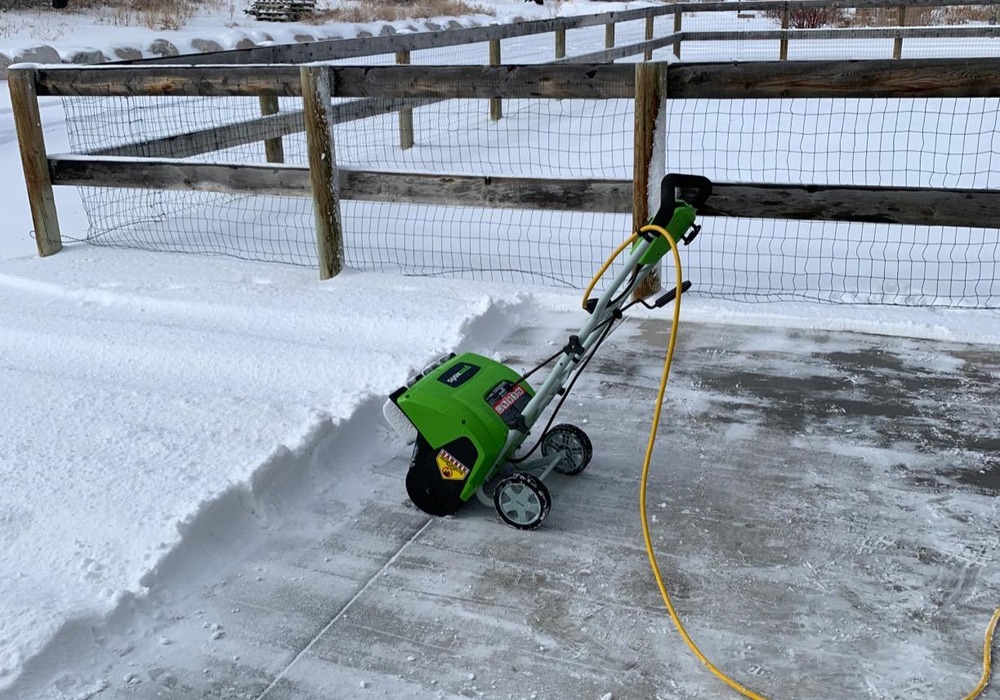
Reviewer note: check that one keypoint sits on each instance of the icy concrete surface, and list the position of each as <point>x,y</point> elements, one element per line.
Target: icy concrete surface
<point>824,508</point>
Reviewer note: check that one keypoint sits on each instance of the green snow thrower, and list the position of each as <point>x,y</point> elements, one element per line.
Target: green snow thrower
<point>468,415</point>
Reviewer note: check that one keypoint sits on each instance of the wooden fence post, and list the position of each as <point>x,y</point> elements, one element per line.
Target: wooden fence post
<point>406,114</point>
<point>609,35</point>
<point>648,55</point>
<point>650,152</point>
<point>274,149</point>
<point>318,108</point>
<point>897,44</point>
<point>783,46</point>
<point>560,43</point>
<point>34,159</point>
<point>496,106</point>
<point>678,14</point>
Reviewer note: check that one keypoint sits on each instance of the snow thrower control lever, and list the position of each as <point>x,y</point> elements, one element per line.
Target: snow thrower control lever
<point>668,297</point>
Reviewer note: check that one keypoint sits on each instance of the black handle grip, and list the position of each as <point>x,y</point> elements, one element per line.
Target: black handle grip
<point>672,181</point>
<point>671,295</point>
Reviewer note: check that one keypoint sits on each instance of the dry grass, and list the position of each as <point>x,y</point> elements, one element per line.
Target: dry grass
<point>174,14</point>
<point>919,16</point>
<point>381,10</point>
<point>814,18</point>
<point>155,14</point>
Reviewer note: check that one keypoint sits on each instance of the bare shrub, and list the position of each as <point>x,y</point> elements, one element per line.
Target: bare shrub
<point>810,17</point>
<point>396,10</point>
<point>8,5</point>
<point>966,14</point>
<point>920,16</point>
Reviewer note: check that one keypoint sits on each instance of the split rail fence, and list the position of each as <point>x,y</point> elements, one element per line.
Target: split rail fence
<point>273,72</point>
<point>648,83</point>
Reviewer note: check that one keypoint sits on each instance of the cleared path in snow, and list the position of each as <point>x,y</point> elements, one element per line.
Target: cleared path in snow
<point>824,506</point>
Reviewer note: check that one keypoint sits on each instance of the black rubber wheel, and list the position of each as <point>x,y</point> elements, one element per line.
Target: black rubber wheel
<point>425,487</point>
<point>574,442</point>
<point>522,500</point>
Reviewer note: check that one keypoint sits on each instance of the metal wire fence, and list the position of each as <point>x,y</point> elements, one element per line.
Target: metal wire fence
<point>899,142</point>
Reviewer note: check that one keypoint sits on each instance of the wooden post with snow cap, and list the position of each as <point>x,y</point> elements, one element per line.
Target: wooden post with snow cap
<point>318,110</point>
<point>650,152</point>
<point>34,159</point>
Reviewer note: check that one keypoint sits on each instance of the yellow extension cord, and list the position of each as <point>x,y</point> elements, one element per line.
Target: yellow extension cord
<point>738,687</point>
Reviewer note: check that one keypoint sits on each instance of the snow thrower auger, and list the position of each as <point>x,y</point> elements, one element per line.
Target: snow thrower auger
<point>468,415</point>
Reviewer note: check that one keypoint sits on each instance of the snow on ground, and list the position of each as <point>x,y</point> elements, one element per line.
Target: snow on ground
<point>226,24</point>
<point>140,390</point>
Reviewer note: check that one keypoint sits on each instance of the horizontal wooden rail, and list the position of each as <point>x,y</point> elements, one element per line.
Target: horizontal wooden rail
<point>777,6</point>
<point>867,33</point>
<point>585,81</point>
<point>613,196</point>
<point>219,138</point>
<point>609,55</point>
<point>973,208</point>
<point>880,205</point>
<point>173,81</point>
<point>931,77</point>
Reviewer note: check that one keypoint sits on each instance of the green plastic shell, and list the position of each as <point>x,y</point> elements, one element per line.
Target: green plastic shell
<point>450,402</point>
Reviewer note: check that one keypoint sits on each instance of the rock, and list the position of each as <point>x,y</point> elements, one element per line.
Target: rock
<point>162,47</point>
<point>387,30</point>
<point>38,54</point>
<point>88,56</point>
<point>206,45</point>
<point>304,38</point>
<point>127,53</point>
<point>245,43</point>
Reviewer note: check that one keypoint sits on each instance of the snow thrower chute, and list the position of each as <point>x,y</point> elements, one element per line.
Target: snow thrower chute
<point>467,415</point>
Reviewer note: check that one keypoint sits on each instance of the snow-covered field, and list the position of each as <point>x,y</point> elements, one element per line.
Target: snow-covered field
<point>144,392</point>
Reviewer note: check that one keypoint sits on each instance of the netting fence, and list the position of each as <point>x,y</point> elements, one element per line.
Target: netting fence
<point>919,142</point>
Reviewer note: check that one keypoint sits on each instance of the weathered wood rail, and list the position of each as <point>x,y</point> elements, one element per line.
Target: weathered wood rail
<point>648,84</point>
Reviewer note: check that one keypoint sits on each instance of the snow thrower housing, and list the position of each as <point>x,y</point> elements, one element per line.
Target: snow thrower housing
<point>468,415</point>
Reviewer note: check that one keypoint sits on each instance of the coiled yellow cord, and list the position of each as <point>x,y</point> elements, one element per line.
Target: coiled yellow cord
<point>735,685</point>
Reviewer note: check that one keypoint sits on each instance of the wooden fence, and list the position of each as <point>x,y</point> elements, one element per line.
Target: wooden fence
<point>649,84</point>
<point>655,37</point>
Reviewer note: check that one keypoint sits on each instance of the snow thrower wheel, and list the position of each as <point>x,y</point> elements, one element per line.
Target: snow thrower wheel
<point>573,442</point>
<point>522,500</point>
<point>424,485</point>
